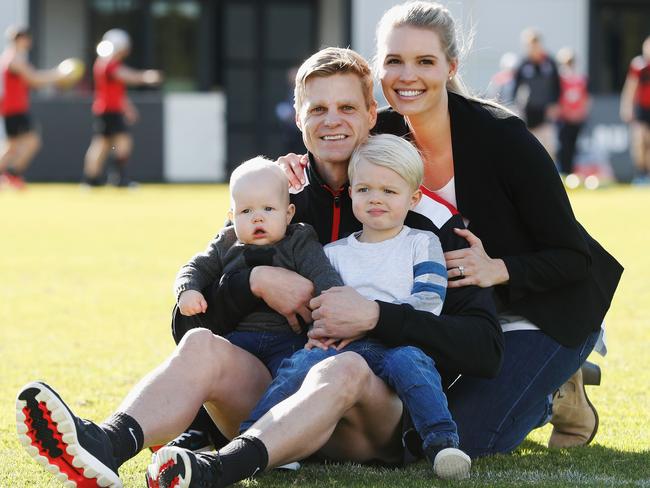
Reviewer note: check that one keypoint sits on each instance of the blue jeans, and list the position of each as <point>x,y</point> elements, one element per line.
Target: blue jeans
<point>410,372</point>
<point>269,347</point>
<point>495,415</point>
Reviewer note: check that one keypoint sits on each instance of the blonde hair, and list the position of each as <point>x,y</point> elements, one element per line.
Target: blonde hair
<point>425,15</point>
<point>255,166</point>
<point>331,61</point>
<point>391,152</point>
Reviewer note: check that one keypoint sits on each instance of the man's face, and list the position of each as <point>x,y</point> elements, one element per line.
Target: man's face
<point>334,118</point>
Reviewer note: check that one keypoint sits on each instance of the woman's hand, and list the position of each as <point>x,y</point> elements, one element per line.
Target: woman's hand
<point>294,166</point>
<point>473,265</point>
<point>341,313</point>
<point>284,291</point>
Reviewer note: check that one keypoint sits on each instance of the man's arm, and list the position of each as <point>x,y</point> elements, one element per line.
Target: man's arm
<point>465,339</point>
<point>34,78</point>
<point>627,98</point>
<point>240,292</point>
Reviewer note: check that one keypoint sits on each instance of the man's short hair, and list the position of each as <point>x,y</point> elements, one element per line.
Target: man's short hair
<point>331,61</point>
<point>15,32</point>
<point>391,152</point>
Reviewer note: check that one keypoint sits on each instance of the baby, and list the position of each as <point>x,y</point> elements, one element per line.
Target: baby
<point>261,234</point>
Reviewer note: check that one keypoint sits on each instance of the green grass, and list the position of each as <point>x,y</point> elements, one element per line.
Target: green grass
<point>85,287</point>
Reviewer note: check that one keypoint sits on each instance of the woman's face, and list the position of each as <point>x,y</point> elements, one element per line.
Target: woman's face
<point>414,70</point>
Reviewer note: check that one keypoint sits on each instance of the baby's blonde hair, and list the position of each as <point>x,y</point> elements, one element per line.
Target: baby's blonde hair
<point>391,152</point>
<point>256,165</point>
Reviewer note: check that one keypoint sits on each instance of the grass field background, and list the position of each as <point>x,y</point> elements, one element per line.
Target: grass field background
<point>85,302</point>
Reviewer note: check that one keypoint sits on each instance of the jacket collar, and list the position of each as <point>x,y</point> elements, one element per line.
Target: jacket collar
<point>317,181</point>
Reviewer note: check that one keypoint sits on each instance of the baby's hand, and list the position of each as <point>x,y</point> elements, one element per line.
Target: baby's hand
<point>192,302</point>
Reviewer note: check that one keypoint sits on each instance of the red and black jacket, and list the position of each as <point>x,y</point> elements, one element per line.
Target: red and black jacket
<point>326,209</point>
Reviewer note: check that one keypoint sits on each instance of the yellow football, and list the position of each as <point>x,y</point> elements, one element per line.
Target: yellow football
<point>71,70</point>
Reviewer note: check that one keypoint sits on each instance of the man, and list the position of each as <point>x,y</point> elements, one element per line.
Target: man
<point>112,108</point>
<point>635,110</point>
<point>537,90</point>
<point>18,76</point>
<point>335,111</point>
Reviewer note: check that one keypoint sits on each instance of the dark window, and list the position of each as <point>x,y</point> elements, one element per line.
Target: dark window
<point>175,33</point>
<point>262,41</point>
<point>618,28</point>
<point>164,33</point>
<point>129,15</point>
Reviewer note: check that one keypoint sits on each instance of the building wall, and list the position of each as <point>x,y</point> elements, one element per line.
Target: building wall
<point>62,32</point>
<point>191,154</point>
<point>13,12</point>
<point>332,26</point>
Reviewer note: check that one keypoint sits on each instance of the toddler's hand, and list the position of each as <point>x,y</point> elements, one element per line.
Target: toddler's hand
<point>312,343</point>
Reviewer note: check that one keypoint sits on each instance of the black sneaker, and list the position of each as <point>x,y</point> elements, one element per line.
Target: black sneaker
<point>76,451</point>
<point>180,468</point>
<point>193,440</point>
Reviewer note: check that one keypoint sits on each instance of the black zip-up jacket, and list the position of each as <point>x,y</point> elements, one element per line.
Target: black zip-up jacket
<point>466,338</point>
<point>507,186</point>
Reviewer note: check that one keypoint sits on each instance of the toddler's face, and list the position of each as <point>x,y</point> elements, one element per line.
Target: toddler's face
<point>381,198</point>
<point>260,211</point>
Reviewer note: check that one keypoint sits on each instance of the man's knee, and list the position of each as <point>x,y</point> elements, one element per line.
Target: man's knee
<point>347,375</point>
<point>203,348</point>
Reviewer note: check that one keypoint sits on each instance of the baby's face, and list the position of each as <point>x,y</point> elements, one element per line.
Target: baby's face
<point>260,211</point>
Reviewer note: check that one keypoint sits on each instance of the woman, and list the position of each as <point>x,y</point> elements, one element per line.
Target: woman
<point>554,283</point>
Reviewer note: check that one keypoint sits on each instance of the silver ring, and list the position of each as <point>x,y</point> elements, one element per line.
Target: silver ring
<point>461,270</point>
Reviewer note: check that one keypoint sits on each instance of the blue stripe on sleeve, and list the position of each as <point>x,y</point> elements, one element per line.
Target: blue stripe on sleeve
<point>429,267</point>
<point>419,287</point>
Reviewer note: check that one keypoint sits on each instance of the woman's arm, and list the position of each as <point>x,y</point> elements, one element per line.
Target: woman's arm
<point>560,254</point>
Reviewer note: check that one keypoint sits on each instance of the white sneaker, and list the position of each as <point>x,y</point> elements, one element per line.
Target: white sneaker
<point>452,464</point>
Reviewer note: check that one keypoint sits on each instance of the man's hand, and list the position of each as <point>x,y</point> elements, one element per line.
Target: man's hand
<point>342,314</point>
<point>284,291</point>
<point>293,166</point>
<point>192,302</point>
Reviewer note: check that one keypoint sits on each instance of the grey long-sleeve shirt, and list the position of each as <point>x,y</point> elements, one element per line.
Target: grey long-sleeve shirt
<point>299,251</point>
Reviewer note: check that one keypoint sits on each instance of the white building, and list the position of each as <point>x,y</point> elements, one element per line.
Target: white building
<point>226,63</point>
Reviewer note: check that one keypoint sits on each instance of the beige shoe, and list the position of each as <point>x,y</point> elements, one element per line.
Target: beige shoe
<point>575,420</point>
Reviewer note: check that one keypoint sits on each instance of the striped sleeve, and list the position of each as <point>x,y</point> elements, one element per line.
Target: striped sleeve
<point>429,273</point>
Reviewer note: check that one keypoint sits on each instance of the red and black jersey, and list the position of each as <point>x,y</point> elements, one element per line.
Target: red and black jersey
<point>109,91</point>
<point>640,68</point>
<point>15,93</point>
